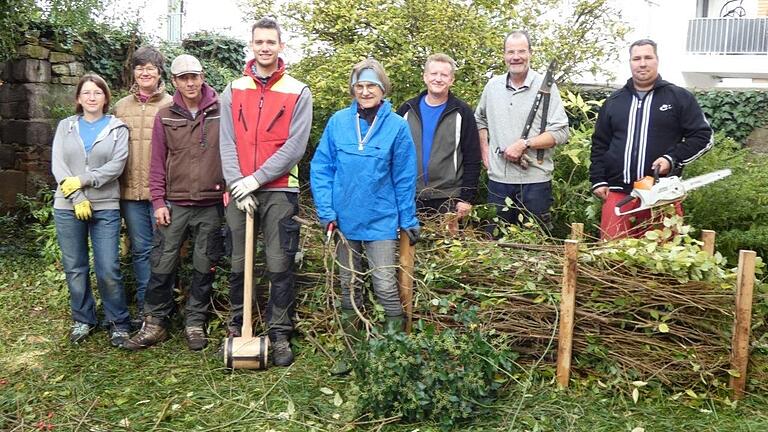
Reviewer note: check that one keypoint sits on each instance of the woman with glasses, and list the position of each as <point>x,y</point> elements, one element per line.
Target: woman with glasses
<point>363,179</point>
<point>137,110</point>
<point>88,155</point>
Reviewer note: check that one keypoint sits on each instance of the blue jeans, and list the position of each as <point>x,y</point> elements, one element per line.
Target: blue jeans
<point>104,231</point>
<point>139,219</point>
<point>383,268</point>
<point>532,199</point>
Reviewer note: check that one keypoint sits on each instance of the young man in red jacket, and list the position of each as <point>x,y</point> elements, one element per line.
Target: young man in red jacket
<point>266,116</point>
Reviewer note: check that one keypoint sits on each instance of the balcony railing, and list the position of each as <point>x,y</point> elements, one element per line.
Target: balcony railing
<point>728,36</point>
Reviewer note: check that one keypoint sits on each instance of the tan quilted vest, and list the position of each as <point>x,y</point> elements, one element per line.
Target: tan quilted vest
<point>134,183</point>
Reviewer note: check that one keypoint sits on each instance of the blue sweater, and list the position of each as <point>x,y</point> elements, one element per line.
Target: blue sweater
<point>369,191</point>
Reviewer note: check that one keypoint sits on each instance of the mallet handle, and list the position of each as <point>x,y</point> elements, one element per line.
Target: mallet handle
<point>247,329</point>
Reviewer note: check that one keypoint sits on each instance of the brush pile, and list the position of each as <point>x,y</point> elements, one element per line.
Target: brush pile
<point>657,308</point>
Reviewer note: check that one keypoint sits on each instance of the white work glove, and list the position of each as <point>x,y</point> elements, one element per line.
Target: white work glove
<point>243,187</point>
<point>247,204</point>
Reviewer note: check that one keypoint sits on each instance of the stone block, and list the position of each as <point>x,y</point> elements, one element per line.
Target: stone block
<point>68,80</point>
<point>76,69</point>
<point>35,100</point>
<point>27,132</point>
<point>33,51</point>
<point>60,69</point>
<point>14,182</point>
<point>59,57</point>
<point>29,70</point>
<point>7,156</point>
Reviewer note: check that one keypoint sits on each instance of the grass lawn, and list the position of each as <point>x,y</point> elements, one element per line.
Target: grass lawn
<point>48,384</point>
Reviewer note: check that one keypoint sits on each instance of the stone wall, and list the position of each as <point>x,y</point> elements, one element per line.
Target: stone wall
<point>36,90</point>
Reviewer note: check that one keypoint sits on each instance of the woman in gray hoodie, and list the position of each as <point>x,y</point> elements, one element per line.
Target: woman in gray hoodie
<point>88,155</point>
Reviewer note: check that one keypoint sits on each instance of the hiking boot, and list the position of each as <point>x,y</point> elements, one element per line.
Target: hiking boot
<point>196,338</point>
<point>152,332</point>
<point>117,337</point>
<point>79,331</point>
<point>281,353</point>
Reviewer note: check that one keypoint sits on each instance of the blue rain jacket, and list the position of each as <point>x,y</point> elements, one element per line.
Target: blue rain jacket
<point>368,189</point>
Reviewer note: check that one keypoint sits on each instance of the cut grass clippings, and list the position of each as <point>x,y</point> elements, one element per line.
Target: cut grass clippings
<point>48,384</point>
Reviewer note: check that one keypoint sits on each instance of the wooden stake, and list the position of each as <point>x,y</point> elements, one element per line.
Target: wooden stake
<point>405,278</point>
<point>708,237</point>
<point>577,231</point>
<point>745,283</point>
<point>567,310</point>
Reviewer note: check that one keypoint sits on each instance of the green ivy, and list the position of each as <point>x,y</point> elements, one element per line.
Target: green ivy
<point>735,113</point>
<point>226,51</point>
<point>222,57</point>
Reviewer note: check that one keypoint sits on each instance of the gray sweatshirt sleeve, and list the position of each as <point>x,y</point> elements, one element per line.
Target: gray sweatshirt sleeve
<point>59,168</point>
<point>557,119</point>
<point>111,170</point>
<point>293,150</point>
<point>480,117</point>
<point>230,164</point>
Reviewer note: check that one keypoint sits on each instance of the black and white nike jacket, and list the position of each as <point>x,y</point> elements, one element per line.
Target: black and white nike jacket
<point>632,131</point>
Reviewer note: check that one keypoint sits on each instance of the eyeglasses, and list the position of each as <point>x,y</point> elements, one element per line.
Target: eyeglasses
<point>145,69</point>
<point>94,94</point>
<point>361,87</point>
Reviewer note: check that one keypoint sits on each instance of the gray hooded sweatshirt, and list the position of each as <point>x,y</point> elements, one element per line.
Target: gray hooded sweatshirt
<point>98,170</point>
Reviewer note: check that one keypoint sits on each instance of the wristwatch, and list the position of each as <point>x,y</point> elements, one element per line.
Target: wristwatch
<point>527,144</point>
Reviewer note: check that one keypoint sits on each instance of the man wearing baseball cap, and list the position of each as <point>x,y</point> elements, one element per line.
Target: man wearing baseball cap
<point>186,186</point>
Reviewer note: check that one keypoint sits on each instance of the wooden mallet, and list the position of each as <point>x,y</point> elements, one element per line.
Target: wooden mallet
<point>246,351</point>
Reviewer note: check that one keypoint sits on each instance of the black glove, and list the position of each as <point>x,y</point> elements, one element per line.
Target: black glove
<point>412,233</point>
<point>330,227</point>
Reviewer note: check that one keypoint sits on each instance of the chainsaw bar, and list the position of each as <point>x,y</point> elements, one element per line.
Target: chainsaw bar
<point>662,191</point>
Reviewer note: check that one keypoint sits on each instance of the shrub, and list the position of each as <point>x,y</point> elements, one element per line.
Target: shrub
<point>736,207</point>
<point>442,376</point>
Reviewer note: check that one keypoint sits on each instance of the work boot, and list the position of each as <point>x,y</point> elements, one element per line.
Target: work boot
<point>196,338</point>
<point>351,327</point>
<point>152,331</point>
<point>281,353</point>
<point>394,324</point>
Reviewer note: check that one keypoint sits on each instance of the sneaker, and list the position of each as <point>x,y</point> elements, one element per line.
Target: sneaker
<point>79,332</point>
<point>196,338</point>
<point>281,353</point>
<point>117,337</point>
<point>152,332</point>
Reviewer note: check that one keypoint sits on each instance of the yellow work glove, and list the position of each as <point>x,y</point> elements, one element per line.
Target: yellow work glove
<point>69,185</point>
<point>83,210</point>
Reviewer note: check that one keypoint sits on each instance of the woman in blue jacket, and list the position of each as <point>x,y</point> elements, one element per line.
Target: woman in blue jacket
<point>363,178</point>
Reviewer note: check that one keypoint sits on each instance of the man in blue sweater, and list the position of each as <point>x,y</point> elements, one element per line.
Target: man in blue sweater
<point>444,130</point>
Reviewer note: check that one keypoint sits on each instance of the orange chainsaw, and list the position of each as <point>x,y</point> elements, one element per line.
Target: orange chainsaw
<point>653,191</point>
